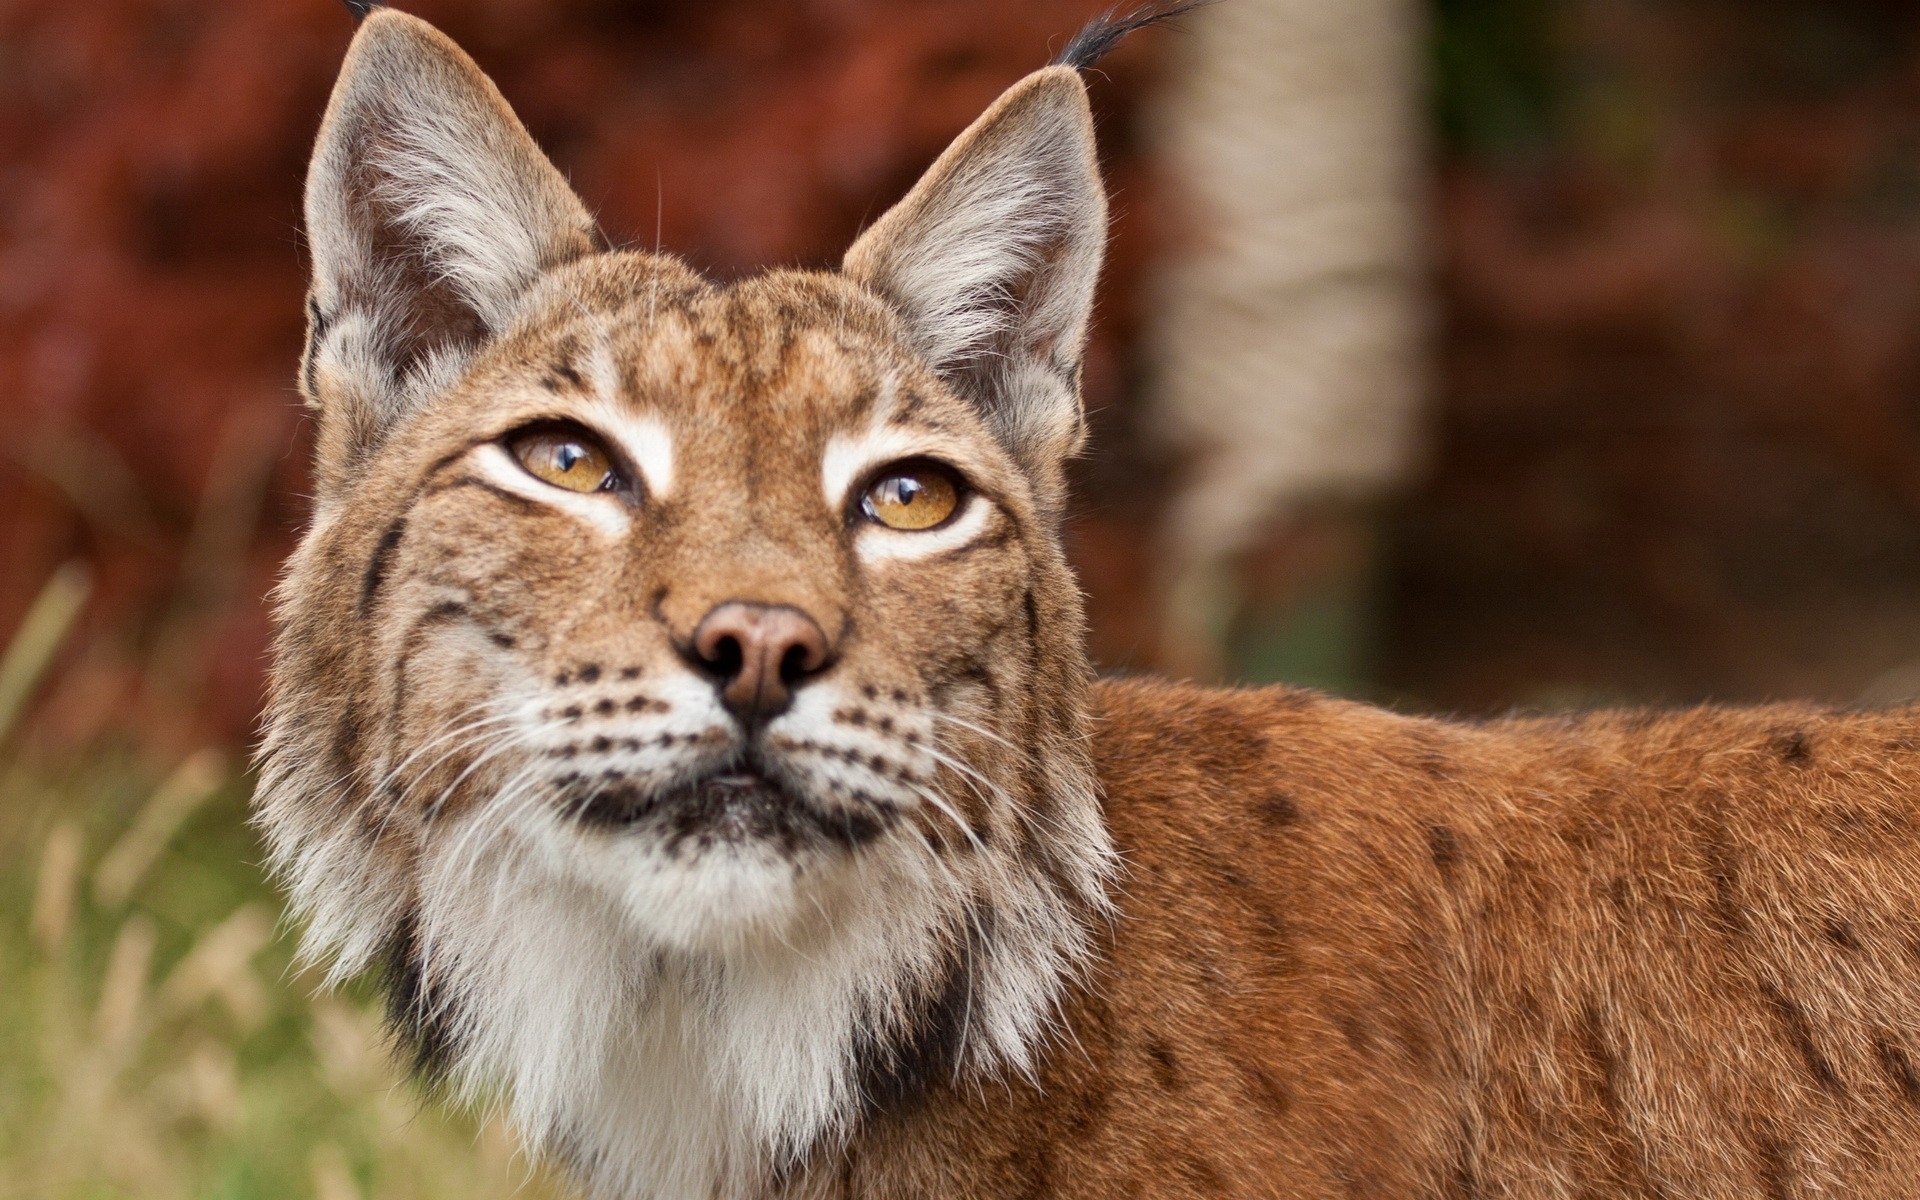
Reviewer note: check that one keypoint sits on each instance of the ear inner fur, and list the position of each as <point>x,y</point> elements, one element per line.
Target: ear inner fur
<point>429,212</point>
<point>991,261</point>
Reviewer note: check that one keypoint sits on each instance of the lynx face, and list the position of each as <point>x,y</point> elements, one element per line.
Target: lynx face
<point>638,573</point>
<point>679,689</point>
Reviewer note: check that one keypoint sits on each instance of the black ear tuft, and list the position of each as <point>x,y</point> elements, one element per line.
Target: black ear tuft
<point>1105,31</point>
<point>360,8</point>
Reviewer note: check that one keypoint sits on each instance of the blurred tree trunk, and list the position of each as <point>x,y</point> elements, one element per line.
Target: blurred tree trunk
<point>1288,356</point>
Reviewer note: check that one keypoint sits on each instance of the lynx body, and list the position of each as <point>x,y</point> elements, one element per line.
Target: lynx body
<point>680,695</point>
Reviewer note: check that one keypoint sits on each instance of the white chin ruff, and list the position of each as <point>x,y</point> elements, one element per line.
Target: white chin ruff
<point>682,1028</point>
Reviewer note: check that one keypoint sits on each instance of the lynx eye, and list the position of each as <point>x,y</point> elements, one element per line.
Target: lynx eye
<point>564,457</point>
<point>912,496</point>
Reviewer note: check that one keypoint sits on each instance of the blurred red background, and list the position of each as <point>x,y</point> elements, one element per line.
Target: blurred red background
<point>1678,440</point>
<point>151,269</point>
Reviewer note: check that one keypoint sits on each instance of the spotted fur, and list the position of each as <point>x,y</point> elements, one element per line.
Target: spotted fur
<point>977,927</point>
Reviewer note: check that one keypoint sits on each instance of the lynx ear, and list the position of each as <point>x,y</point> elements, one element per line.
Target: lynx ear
<point>429,212</point>
<point>992,260</point>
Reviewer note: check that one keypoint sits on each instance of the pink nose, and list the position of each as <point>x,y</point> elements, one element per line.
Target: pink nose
<point>757,654</point>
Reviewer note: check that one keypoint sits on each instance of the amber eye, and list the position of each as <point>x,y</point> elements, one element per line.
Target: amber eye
<point>566,458</point>
<point>912,496</point>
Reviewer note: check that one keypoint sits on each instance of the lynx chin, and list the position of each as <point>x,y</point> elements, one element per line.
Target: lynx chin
<point>680,697</point>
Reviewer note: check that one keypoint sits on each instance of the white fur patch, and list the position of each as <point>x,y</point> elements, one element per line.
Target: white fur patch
<point>848,458</point>
<point>877,544</point>
<point>645,438</point>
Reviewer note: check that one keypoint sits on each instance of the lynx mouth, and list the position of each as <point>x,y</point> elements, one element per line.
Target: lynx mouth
<point>738,804</point>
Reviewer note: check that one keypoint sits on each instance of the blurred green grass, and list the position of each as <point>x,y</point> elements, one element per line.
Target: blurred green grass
<point>157,1041</point>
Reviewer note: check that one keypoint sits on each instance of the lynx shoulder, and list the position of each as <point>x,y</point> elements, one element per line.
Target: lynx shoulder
<point>680,697</point>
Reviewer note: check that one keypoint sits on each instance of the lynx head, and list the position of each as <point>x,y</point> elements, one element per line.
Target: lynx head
<point>679,690</point>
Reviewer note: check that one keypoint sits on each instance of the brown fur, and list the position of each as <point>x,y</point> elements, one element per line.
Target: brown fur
<point>1361,954</point>
<point>1345,953</point>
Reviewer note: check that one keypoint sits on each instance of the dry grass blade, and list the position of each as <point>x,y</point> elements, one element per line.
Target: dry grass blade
<point>192,783</point>
<point>54,887</point>
<point>39,637</point>
<point>332,1180</point>
<point>221,964</point>
<point>123,993</point>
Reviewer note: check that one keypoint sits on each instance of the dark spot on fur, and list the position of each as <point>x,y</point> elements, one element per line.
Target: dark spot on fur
<point>1723,873</point>
<point>377,566</point>
<point>1463,1174</point>
<point>1770,1162</point>
<point>1620,894</point>
<point>1794,747</point>
<point>1615,1137</point>
<point>1203,1174</point>
<point>1443,846</point>
<point>503,640</point>
<point>1800,1034</point>
<point>1841,934</point>
<point>629,673</point>
<point>604,708</point>
<point>600,745</point>
<point>895,1076</point>
<point>590,673</point>
<point>1899,1069</point>
<point>346,737</point>
<point>1356,1032</point>
<point>1229,876</point>
<point>572,712</point>
<point>1278,809</point>
<point>424,1027</point>
<point>563,373</point>
<point>1165,1067</point>
<point>441,614</point>
<point>1606,1064</point>
<point>1266,1090</point>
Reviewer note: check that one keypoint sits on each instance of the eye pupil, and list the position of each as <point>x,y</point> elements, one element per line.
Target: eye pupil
<point>567,456</point>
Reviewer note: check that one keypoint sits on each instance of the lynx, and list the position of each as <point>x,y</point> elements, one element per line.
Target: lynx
<point>680,696</point>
